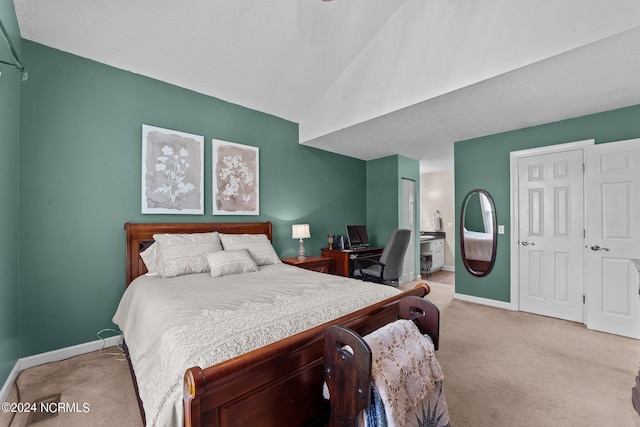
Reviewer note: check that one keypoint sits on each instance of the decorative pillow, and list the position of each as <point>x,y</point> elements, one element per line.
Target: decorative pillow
<point>181,254</point>
<point>223,263</point>
<point>258,245</point>
<point>151,259</point>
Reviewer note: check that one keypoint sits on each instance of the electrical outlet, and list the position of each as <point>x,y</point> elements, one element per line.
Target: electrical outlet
<point>449,225</point>
<point>501,229</point>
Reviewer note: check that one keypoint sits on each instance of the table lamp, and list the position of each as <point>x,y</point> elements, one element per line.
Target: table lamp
<point>300,231</point>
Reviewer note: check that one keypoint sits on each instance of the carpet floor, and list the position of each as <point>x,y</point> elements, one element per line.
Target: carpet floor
<point>441,276</point>
<point>505,368</point>
<point>95,390</point>
<point>501,368</point>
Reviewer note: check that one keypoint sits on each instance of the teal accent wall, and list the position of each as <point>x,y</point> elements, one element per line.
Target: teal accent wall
<point>80,182</point>
<point>384,197</point>
<point>484,163</point>
<point>10,84</point>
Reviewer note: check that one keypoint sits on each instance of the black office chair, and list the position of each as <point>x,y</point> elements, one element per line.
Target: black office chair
<point>388,268</point>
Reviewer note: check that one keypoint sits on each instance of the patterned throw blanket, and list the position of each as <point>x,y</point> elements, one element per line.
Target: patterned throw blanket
<point>407,379</point>
<point>431,412</point>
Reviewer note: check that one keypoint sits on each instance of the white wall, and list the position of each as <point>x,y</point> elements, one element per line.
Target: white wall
<point>437,193</point>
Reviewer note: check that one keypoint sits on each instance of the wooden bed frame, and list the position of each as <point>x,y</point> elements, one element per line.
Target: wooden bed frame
<point>279,384</point>
<point>348,373</point>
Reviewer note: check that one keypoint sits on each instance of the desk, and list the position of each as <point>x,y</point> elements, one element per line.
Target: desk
<point>341,260</point>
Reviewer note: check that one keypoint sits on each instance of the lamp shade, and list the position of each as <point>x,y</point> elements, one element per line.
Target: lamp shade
<point>300,231</point>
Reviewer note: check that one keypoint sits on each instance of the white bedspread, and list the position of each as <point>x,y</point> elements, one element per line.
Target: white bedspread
<point>478,246</point>
<point>173,324</point>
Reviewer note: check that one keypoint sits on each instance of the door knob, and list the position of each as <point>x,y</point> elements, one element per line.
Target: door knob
<point>525,243</point>
<point>598,248</point>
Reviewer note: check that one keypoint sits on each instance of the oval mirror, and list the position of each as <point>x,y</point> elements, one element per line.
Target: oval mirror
<point>478,233</point>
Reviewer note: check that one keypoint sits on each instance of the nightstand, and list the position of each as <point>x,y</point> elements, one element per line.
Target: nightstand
<point>314,263</point>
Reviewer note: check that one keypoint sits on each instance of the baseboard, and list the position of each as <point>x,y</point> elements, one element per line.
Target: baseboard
<point>486,301</point>
<point>448,268</point>
<point>67,352</point>
<point>6,388</point>
<point>54,356</point>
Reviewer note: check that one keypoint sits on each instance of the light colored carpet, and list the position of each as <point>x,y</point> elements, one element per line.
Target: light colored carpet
<point>505,368</point>
<point>441,276</point>
<point>97,387</point>
<point>501,368</point>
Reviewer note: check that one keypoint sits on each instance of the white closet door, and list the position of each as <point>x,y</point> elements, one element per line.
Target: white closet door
<point>613,237</point>
<point>409,222</point>
<point>550,236</point>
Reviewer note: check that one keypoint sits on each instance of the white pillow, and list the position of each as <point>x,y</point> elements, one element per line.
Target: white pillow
<point>181,254</point>
<point>222,263</point>
<point>258,245</point>
<point>150,258</point>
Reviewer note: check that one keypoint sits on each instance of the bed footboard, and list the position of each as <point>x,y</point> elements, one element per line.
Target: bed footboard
<point>280,384</point>
<point>348,371</point>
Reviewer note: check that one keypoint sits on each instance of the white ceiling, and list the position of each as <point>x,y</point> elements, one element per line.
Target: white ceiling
<point>369,78</point>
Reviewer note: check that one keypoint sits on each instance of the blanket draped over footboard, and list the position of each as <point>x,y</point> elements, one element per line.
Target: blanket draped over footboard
<point>404,370</point>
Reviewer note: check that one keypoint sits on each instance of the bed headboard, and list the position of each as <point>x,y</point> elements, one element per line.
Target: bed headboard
<point>140,237</point>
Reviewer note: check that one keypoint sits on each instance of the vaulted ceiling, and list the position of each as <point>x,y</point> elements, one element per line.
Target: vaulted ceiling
<point>369,78</point>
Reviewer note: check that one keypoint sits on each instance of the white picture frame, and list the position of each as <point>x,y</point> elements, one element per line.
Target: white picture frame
<point>172,172</point>
<point>235,176</point>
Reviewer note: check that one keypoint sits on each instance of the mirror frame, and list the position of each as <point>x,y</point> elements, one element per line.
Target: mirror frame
<point>494,234</point>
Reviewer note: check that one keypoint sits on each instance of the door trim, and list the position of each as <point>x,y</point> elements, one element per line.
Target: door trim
<point>514,207</point>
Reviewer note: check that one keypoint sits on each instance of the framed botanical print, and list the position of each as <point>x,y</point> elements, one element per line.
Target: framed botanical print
<point>172,172</point>
<point>235,179</point>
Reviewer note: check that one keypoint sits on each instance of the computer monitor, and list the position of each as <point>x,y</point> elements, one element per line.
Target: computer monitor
<point>358,237</point>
